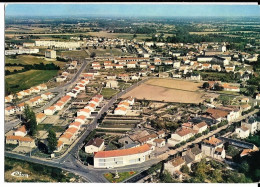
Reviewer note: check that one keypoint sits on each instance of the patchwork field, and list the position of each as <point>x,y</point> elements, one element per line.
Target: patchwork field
<point>29,59</point>
<point>25,80</point>
<point>168,90</point>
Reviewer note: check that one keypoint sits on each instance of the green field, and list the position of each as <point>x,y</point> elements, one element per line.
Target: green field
<point>108,92</point>
<point>36,172</point>
<point>25,80</point>
<point>122,176</point>
<point>29,59</point>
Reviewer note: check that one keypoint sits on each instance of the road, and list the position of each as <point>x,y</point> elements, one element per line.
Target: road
<point>61,90</point>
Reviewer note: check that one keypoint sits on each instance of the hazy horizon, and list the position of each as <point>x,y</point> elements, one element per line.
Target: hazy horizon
<point>131,10</point>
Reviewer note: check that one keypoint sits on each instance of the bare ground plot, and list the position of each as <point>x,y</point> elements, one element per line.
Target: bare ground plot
<point>51,119</point>
<point>157,93</point>
<point>175,84</point>
<point>22,149</point>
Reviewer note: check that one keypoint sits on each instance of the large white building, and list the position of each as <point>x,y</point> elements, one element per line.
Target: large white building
<point>65,45</point>
<point>122,157</point>
<point>50,54</point>
<point>21,51</point>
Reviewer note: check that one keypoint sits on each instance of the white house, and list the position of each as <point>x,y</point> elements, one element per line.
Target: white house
<point>85,112</point>
<point>47,96</point>
<point>9,110</point>
<point>50,111</point>
<point>120,111</point>
<point>200,127</point>
<point>81,119</point>
<point>242,132</point>
<point>95,145</point>
<point>214,148</point>
<point>181,135</point>
<point>21,131</point>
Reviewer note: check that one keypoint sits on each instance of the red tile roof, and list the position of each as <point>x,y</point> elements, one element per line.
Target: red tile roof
<point>122,152</point>
<point>22,129</point>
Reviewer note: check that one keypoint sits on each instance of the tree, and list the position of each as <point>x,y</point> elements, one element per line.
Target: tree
<point>244,167</point>
<point>250,90</point>
<point>52,140</point>
<point>217,176</point>
<point>205,85</point>
<point>135,35</point>
<point>218,87</point>
<point>30,121</point>
<point>185,169</point>
<point>92,55</point>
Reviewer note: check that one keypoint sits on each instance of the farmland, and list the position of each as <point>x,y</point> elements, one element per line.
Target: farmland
<point>167,90</point>
<point>29,78</point>
<point>13,68</point>
<point>29,60</point>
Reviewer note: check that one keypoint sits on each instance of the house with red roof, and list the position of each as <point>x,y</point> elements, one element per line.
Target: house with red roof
<point>40,117</point>
<point>67,138</point>
<point>10,110</point>
<point>214,148</point>
<point>59,105</point>
<point>50,111</point>
<point>47,96</point>
<point>20,107</point>
<point>21,131</point>
<point>181,135</point>
<point>91,107</point>
<point>84,112</point>
<point>59,146</point>
<point>120,111</point>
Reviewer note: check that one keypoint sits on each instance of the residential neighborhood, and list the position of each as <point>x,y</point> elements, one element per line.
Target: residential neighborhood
<point>134,100</point>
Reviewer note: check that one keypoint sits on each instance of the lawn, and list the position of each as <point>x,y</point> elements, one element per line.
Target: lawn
<point>36,172</point>
<point>122,176</point>
<point>108,92</point>
<point>30,59</point>
<point>25,80</point>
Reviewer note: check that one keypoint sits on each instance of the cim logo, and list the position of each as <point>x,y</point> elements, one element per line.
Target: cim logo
<point>19,174</point>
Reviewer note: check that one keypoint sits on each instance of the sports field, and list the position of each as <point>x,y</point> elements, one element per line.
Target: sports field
<point>168,90</point>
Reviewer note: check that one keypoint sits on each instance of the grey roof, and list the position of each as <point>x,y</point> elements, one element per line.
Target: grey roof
<point>195,150</point>
<point>188,159</point>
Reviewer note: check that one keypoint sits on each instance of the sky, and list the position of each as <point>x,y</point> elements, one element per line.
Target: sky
<point>131,10</point>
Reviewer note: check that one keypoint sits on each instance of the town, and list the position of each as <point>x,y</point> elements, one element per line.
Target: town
<point>146,107</point>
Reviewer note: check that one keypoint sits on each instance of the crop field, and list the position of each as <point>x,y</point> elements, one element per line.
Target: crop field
<point>25,80</point>
<point>168,90</point>
<point>12,68</point>
<point>29,59</point>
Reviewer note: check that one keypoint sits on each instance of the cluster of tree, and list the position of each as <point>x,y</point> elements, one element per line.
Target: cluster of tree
<point>62,59</point>
<point>215,172</point>
<point>30,121</point>
<point>26,67</point>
